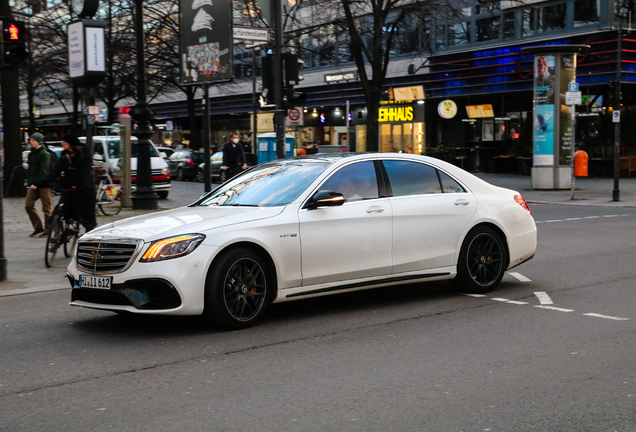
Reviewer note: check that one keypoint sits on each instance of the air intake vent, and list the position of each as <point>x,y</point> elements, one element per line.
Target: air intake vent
<point>107,256</point>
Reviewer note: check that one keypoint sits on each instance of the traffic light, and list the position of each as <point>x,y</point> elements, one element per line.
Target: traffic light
<point>294,98</point>
<point>269,80</point>
<point>293,66</point>
<point>13,53</point>
<point>292,77</point>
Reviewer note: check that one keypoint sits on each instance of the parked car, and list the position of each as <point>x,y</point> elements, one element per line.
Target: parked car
<point>109,149</point>
<point>216,161</point>
<point>183,164</point>
<point>165,152</point>
<point>304,227</point>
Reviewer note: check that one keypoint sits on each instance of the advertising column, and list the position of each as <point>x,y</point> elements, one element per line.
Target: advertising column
<point>554,69</point>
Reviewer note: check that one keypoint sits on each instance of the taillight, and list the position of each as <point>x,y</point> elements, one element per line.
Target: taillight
<point>522,202</point>
<point>190,162</point>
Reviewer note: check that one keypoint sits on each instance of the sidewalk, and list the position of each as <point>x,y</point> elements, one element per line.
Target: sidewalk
<point>27,273</point>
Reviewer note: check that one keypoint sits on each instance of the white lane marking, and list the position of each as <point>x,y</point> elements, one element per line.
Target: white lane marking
<point>499,299</point>
<point>554,220</point>
<point>519,277</point>
<point>571,219</point>
<point>544,298</point>
<point>517,302</point>
<point>580,218</point>
<point>610,216</point>
<point>474,295</point>
<point>591,217</point>
<point>554,308</point>
<point>606,317</point>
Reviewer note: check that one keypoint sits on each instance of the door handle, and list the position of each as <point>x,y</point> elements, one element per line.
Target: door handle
<point>462,202</point>
<point>375,209</point>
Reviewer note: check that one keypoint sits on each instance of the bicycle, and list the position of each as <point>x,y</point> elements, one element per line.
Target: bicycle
<point>63,232</point>
<point>109,195</point>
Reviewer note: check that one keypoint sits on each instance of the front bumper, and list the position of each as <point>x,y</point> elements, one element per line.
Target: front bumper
<point>170,287</point>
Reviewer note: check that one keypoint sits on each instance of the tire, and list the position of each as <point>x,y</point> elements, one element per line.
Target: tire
<point>72,234</point>
<point>162,194</point>
<point>200,176</point>
<point>110,206</point>
<point>180,175</point>
<point>482,261</point>
<point>237,289</point>
<point>53,241</point>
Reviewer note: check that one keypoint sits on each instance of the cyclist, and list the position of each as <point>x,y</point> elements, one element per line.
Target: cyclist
<point>75,168</point>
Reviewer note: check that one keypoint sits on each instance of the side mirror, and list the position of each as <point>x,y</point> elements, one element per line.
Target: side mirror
<point>98,158</point>
<point>326,198</point>
<point>163,155</point>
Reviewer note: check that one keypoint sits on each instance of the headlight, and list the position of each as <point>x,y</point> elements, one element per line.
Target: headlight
<point>172,247</point>
<point>165,171</point>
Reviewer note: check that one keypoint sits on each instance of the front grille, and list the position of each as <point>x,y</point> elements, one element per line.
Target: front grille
<point>107,256</point>
<point>155,172</point>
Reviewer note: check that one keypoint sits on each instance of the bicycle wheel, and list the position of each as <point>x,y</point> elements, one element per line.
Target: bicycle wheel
<point>109,201</point>
<point>54,239</point>
<point>70,237</point>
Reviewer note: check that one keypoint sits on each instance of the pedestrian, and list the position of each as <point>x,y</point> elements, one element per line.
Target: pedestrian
<point>78,188</point>
<point>39,166</point>
<point>233,157</point>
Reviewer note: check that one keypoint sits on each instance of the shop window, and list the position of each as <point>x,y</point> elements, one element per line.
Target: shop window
<point>488,29</point>
<point>459,34</point>
<point>356,182</point>
<point>553,17</point>
<point>439,38</point>
<point>412,178</point>
<point>586,12</point>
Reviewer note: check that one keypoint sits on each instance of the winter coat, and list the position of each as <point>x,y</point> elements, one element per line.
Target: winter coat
<point>39,165</point>
<point>76,172</point>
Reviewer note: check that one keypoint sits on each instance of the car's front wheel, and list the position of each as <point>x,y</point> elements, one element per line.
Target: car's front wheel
<point>237,289</point>
<point>180,174</point>
<point>200,176</point>
<point>482,261</point>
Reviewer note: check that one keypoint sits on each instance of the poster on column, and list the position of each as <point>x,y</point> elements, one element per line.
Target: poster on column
<point>566,140</point>
<point>543,110</point>
<point>206,45</point>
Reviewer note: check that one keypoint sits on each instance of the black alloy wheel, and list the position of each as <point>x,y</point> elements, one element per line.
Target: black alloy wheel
<point>482,261</point>
<point>200,175</point>
<point>180,175</point>
<point>237,289</point>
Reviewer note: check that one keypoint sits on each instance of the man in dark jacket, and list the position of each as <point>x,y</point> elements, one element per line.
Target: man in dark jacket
<point>39,165</point>
<point>233,157</point>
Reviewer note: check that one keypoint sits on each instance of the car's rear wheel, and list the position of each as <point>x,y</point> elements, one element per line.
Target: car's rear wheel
<point>237,289</point>
<point>200,176</point>
<point>180,175</point>
<point>482,261</point>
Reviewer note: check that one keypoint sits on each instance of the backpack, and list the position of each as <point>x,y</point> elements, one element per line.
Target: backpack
<point>54,184</point>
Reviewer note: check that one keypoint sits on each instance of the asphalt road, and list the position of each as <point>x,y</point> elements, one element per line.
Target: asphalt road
<point>550,350</point>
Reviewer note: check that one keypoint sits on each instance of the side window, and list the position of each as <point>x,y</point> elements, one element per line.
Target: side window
<point>412,178</point>
<point>449,185</point>
<point>356,182</point>
<point>175,156</point>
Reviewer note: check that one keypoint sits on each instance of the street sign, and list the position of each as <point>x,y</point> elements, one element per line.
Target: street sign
<point>251,34</point>
<point>93,110</point>
<point>573,87</point>
<point>254,44</point>
<point>573,98</point>
<point>616,116</point>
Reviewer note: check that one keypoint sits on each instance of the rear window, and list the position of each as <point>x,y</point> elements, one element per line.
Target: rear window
<point>114,149</point>
<point>197,157</point>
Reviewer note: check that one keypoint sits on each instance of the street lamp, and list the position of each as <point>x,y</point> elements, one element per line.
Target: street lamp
<point>144,196</point>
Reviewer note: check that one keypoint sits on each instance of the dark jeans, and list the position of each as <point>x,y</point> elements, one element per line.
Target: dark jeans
<point>80,205</point>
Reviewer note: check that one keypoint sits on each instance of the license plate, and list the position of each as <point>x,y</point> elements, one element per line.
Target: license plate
<point>98,282</point>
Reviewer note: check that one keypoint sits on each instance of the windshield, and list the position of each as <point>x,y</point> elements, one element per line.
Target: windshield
<point>114,147</point>
<point>267,185</point>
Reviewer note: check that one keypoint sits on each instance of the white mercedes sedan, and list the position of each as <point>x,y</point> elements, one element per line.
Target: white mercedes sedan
<point>304,227</point>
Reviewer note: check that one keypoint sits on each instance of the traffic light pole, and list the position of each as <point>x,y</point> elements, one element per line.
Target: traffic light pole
<point>279,113</point>
<point>616,193</point>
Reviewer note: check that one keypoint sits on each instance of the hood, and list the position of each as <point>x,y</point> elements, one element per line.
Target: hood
<point>182,220</point>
